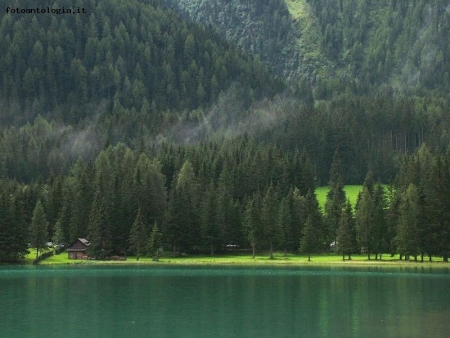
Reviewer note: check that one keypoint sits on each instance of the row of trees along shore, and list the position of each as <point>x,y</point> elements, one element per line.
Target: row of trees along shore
<point>199,199</point>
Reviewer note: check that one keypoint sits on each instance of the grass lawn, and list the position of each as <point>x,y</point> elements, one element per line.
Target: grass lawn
<point>241,259</point>
<point>32,255</point>
<point>351,192</point>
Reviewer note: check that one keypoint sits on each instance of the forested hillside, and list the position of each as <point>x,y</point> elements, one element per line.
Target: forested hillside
<point>119,54</point>
<point>263,28</point>
<point>129,120</point>
<point>403,44</point>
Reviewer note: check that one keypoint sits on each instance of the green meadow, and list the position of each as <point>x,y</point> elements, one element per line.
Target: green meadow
<point>350,190</point>
<point>246,259</point>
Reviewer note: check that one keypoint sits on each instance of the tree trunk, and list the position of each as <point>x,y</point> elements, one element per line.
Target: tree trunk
<point>343,257</point>
<point>349,257</point>
<point>429,258</point>
<point>445,258</point>
<point>309,257</point>
<point>212,249</point>
<point>421,257</point>
<point>253,251</point>
<point>368,255</point>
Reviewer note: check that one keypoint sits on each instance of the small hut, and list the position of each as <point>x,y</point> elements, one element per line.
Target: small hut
<point>77,250</point>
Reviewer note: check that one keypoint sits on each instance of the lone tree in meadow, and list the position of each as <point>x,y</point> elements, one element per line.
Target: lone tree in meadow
<point>39,228</point>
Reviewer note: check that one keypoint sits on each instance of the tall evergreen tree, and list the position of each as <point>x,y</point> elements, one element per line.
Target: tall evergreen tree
<point>252,222</point>
<point>138,236</point>
<point>364,222</point>
<point>269,213</point>
<point>155,242</point>
<point>335,198</point>
<point>408,239</point>
<point>346,235</point>
<point>39,228</point>
<point>99,233</point>
<point>380,230</point>
<point>310,243</point>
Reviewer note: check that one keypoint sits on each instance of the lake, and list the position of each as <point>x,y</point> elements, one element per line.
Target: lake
<point>223,301</point>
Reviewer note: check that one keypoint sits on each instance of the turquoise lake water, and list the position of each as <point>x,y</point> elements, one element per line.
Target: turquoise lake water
<point>224,301</point>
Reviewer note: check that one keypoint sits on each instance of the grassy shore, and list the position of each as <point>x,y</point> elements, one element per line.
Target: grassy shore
<point>279,259</point>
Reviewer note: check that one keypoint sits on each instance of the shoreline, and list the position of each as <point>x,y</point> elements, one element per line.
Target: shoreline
<point>244,260</point>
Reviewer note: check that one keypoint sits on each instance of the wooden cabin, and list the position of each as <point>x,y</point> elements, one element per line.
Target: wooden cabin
<point>77,250</point>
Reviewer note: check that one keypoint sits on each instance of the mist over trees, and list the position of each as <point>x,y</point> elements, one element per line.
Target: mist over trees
<point>141,130</point>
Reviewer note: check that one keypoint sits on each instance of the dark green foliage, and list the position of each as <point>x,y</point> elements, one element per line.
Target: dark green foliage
<point>138,54</point>
<point>252,222</point>
<point>149,112</point>
<point>364,222</point>
<point>269,213</point>
<point>408,240</point>
<point>138,236</point>
<point>14,234</point>
<point>310,241</point>
<point>154,246</point>
<point>335,198</point>
<point>38,228</point>
<point>272,37</point>
<point>99,230</point>
<point>346,234</point>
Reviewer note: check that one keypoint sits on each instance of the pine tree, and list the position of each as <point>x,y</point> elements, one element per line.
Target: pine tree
<point>380,230</point>
<point>269,213</point>
<point>335,198</point>
<point>285,238</point>
<point>138,237</point>
<point>364,222</point>
<point>99,234</point>
<point>309,243</point>
<point>346,235</point>
<point>408,239</point>
<point>39,228</point>
<point>155,243</point>
<point>252,222</point>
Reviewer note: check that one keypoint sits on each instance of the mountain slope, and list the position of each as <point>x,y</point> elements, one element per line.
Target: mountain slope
<point>403,44</point>
<point>266,29</point>
<point>131,54</point>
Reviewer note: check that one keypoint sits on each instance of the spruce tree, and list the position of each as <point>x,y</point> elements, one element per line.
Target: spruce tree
<point>346,234</point>
<point>154,247</point>
<point>39,228</point>
<point>335,198</point>
<point>138,236</point>
<point>408,239</point>
<point>99,234</point>
<point>364,222</point>
<point>269,215</point>
<point>309,243</point>
<point>252,222</point>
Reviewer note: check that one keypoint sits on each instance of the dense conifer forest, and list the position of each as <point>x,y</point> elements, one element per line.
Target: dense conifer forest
<point>138,128</point>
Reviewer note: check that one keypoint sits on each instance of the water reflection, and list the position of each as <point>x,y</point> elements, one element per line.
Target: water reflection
<point>174,301</point>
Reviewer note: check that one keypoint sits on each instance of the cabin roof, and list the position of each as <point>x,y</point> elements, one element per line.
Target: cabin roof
<point>80,244</point>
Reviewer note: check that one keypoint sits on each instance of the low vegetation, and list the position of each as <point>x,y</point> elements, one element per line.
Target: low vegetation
<point>241,259</point>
